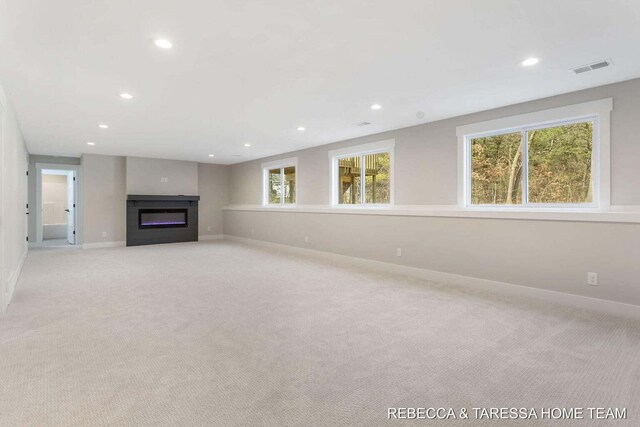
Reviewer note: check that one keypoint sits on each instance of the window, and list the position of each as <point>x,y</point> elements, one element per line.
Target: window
<point>362,175</point>
<point>546,165</point>
<point>280,182</point>
<point>561,163</point>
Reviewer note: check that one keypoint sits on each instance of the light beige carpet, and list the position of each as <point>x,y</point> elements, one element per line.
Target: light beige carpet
<point>219,333</point>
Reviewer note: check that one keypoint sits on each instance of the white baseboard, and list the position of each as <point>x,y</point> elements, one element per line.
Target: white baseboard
<point>577,301</point>
<point>211,237</point>
<point>12,282</point>
<point>101,245</point>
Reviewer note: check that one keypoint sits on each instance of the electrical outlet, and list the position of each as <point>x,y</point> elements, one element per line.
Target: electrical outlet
<point>592,279</point>
<point>208,228</point>
<point>399,252</point>
<point>306,239</point>
<point>104,234</point>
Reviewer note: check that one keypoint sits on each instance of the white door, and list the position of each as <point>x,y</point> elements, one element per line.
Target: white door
<point>71,208</point>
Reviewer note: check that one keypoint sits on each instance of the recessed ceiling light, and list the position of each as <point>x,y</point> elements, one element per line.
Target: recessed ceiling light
<point>164,44</point>
<point>301,128</point>
<point>126,96</point>
<point>103,126</point>
<point>529,62</point>
<point>211,155</point>
<point>247,145</point>
<point>91,143</point>
<point>376,106</point>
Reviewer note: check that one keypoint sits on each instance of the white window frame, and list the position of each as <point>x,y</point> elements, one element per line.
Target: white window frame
<point>598,112</point>
<point>386,146</point>
<point>278,164</point>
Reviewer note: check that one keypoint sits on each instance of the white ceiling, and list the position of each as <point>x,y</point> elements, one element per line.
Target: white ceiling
<point>247,71</point>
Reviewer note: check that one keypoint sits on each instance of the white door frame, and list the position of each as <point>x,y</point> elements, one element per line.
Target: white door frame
<point>26,200</point>
<point>4,300</point>
<point>78,197</point>
<point>73,200</point>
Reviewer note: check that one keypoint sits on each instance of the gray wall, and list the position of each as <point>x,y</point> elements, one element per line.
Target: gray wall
<point>144,176</point>
<point>13,199</point>
<point>106,181</point>
<point>104,198</point>
<point>213,185</point>
<point>550,255</point>
<point>553,255</point>
<point>426,155</point>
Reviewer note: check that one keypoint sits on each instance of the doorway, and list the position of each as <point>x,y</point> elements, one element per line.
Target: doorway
<point>57,219</point>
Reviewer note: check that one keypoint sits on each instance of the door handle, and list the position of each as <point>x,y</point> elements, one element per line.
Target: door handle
<point>66,210</point>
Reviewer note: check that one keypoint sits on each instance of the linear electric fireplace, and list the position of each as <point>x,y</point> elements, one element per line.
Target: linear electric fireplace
<point>161,219</point>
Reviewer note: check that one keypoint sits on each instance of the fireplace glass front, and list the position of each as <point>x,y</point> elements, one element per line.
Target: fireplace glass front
<point>162,218</point>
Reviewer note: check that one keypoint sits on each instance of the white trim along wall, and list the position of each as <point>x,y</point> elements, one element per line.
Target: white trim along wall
<point>617,214</point>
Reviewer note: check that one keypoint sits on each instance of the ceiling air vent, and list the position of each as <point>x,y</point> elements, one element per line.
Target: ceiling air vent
<point>364,124</point>
<point>591,67</point>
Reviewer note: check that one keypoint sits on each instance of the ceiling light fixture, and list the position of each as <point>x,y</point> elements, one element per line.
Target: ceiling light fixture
<point>376,106</point>
<point>529,62</point>
<point>247,145</point>
<point>211,155</point>
<point>91,143</point>
<point>126,96</point>
<point>103,126</point>
<point>164,44</point>
<point>301,128</point>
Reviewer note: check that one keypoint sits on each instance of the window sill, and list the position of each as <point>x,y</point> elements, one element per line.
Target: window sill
<point>621,214</point>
